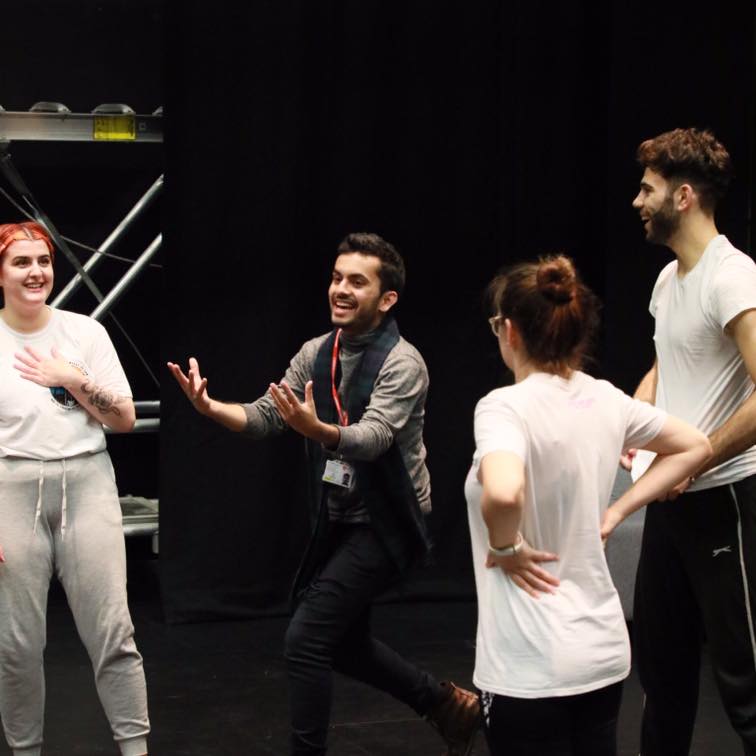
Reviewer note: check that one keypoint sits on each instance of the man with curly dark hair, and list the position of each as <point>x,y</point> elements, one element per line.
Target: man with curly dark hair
<point>697,575</point>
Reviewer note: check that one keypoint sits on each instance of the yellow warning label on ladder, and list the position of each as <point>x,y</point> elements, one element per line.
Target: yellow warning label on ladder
<point>114,128</point>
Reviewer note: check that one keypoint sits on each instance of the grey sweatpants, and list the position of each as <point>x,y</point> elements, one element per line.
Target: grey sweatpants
<point>64,516</point>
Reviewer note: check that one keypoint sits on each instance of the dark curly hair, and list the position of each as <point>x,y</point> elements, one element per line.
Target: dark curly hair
<point>392,273</point>
<point>692,156</point>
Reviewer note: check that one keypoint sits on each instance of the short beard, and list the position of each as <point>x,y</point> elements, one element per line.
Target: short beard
<point>664,223</point>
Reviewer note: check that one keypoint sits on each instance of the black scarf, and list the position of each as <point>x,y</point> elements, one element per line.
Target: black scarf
<point>384,484</point>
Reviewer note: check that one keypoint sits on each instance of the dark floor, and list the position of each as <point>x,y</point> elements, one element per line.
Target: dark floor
<point>218,689</point>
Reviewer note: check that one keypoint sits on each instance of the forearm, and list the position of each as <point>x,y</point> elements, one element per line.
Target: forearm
<point>107,407</point>
<point>364,440</point>
<point>734,437</point>
<point>231,416</point>
<point>646,390</point>
<point>665,472</point>
<point>502,519</point>
<point>326,434</point>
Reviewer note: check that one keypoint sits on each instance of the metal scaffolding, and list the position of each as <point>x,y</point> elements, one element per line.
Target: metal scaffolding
<point>47,121</point>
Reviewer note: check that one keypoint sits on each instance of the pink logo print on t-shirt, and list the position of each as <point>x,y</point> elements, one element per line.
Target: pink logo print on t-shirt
<point>582,403</point>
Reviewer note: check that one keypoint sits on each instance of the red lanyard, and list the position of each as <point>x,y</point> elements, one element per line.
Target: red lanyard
<point>343,416</point>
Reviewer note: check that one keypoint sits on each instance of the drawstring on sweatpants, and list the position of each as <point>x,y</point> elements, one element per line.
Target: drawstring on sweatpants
<point>64,502</point>
<point>63,506</point>
<point>38,510</point>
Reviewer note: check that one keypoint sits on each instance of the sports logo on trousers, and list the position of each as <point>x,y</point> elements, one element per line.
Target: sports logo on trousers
<point>723,550</point>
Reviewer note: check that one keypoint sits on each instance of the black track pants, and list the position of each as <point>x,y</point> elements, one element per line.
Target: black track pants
<point>696,580</point>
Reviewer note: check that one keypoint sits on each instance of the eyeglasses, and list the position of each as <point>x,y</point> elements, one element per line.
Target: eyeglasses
<point>495,323</point>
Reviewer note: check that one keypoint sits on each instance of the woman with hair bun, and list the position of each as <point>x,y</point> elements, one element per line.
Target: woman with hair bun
<point>552,645</point>
<point>60,382</point>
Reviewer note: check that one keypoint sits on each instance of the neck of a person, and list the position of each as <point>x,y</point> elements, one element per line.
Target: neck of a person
<point>691,239</point>
<point>26,320</point>
<point>356,337</point>
<point>523,370</point>
<point>523,366</point>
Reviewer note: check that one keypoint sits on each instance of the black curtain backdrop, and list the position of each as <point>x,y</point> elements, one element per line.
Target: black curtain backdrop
<point>470,134</point>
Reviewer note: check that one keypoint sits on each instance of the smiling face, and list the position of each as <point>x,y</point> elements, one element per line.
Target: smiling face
<point>357,303</point>
<point>656,206</point>
<point>26,276</point>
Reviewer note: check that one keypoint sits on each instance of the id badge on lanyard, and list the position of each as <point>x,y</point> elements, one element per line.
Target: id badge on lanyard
<point>338,472</point>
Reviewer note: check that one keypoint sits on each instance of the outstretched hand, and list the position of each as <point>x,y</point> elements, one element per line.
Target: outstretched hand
<point>300,416</point>
<point>525,571</point>
<point>193,385</point>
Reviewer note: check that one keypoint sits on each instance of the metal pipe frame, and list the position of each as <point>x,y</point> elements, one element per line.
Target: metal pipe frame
<point>147,407</point>
<point>124,284</point>
<point>141,205</point>
<point>145,425</point>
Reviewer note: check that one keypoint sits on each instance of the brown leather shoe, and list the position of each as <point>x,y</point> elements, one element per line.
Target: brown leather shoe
<point>457,718</point>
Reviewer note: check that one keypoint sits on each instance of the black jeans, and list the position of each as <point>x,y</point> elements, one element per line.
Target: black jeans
<point>696,578</point>
<point>581,725</point>
<point>330,629</point>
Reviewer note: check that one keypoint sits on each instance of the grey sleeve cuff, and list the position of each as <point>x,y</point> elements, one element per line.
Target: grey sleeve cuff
<point>256,426</point>
<point>262,419</point>
<point>366,442</point>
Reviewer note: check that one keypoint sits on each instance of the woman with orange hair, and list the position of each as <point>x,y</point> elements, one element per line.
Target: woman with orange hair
<point>550,670</point>
<point>60,382</point>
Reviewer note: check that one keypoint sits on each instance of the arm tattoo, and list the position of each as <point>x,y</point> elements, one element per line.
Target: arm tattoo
<point>100,399</point>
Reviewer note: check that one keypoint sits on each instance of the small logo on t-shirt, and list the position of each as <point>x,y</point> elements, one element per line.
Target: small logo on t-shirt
<point>585,403</point>
<point>61,396</point>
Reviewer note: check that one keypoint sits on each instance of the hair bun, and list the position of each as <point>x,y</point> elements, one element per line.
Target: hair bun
<point>556,279</point>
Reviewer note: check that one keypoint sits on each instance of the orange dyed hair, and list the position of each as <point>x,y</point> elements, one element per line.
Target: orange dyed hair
<point>25,231</point>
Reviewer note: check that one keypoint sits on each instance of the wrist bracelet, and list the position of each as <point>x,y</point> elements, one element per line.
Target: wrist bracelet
<point>510,550</point>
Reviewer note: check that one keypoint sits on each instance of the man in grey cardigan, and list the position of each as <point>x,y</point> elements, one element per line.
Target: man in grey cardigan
<point>357,395</point>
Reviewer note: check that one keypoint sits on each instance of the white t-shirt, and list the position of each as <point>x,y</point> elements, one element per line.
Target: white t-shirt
<point>701,375</point>
<point>42,423</point>
<point>569,434</point>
